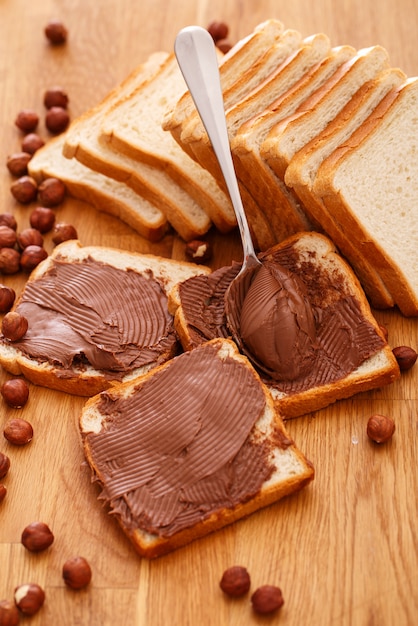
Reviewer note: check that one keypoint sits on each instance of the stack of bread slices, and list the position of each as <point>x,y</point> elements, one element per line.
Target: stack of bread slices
<point>323,138</point>
<point>118,157</point>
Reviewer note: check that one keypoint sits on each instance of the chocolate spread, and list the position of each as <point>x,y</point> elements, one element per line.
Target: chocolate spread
<point>92,313</point>
<point>179,448</point>
<point>276,323</point>
<point>343,337</point>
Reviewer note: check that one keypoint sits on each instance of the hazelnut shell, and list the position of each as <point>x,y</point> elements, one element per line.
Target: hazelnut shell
<point>37,537</point>
<point>18,431</point>
<point>76,572</point>
<point>15,392</point>
<point>380,428</point>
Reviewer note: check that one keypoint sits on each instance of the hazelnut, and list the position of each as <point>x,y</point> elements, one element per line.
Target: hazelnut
<point>7,298</point>
<point>51,192</point>
<point>14,326</point>
<point>267,599</point>
<point>3,492</point>
<point>7,219</point>
<point>56,32</point>
<point>57,120</point>
<point>27,120</point>
<point>380,428</point>
<point>42,218</point>
<point>405,356</point>
<point>29,598</point>
<point>24,189</point>
<point>224,45</point>
<point>55,97</point>
<point>29,237</point>
<point>9,614</point>
<point>17,163</point>
<point>31,143</point>
<point>63,232</point>
<point>218,30</point>
<point>37,537</point>
<point>235,581</point>
<point>8,236</point>
<point>198,251</point>
<point>4,464</point>
<point>15,393</point>
<point>9,260</point>
<point>18,431</point>
<point>76,572</point>
<point>31,257</point>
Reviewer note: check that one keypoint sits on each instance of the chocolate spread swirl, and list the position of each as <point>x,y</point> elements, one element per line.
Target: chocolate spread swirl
<point>344,338</point>
<point>276,323</point>
<point>179,449</point>
<point>92,313</point>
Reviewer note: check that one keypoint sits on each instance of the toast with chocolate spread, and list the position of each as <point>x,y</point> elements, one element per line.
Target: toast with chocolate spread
<point>193,445</point>
<point>331,346</point>
<point>96,316</point>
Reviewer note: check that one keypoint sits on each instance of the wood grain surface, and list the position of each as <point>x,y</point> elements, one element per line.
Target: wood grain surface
<point>344,551</point>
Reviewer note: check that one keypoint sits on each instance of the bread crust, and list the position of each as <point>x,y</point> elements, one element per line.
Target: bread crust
<point>125,127</point>
<point>98,190</point>
<point>82,142</point>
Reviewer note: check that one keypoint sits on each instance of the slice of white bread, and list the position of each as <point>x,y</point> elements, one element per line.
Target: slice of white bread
<point>294,64</point>
<point>82,141</point>
<point>369,184</point>
<point>265,187</point>
<point>103,193</point>
<point>133,126</point>
<point>301,173</point>
<point>172,466</point>
<point>333,290</point>
<point>239,59</point>
<point>291,134</point>
<point>117,326</point>
<point>245,80</point>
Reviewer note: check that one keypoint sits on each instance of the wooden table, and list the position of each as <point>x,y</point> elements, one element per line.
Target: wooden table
<point>344,551</point>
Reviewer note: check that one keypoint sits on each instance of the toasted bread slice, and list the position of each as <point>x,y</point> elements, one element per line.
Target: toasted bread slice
<point>172,466</point>
<point>369,185</point>
<point>96,316</point>
<point>102,192</point>
<point>303,167</point>
<point>344,324</point>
